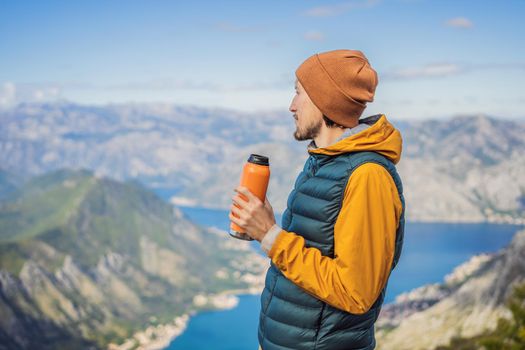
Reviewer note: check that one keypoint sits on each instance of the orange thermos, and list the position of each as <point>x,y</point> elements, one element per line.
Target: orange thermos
<point>255,177</point>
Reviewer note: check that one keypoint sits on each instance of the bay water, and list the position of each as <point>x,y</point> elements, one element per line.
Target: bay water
<point>430,251</point>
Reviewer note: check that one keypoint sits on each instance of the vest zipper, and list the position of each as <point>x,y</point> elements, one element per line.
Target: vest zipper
<point>314,165</point>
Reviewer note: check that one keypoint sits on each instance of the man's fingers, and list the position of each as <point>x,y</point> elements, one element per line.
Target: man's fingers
<point>234,219</point>
<point>237,211</point>
<point>247,193</point>
<point>240,201</point>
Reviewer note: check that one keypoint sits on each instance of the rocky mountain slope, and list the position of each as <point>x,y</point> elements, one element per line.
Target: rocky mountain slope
<point>85,260</point>
<point>468,303</point>
<point>465,168</point>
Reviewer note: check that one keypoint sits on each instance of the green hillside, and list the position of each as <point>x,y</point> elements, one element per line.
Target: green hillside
<point>95,257</point>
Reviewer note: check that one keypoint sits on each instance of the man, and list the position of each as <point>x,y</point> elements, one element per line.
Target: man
<point>342,231</point>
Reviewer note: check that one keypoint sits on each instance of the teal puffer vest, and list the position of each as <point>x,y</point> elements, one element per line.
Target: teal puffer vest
<point>291,318</point>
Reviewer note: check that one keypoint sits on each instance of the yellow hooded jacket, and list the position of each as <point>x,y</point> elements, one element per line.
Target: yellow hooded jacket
<point>364,232</point>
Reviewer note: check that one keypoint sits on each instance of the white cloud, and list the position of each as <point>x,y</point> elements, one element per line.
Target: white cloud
<point>337,9</point>
<point>427,71</point>
<point>11,93</point>
<point>45,94</point>
<point>314,36</point>
<point>438,70</point>
<point>459,22</point>
<point>7,94</point>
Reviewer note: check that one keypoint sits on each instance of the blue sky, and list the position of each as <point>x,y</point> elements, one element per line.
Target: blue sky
<point>434,58</point>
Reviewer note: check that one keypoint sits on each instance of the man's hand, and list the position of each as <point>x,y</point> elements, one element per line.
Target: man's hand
<point>254,216</point>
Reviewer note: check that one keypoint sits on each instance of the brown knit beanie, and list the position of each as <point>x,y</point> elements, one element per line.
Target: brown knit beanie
<point>339,83</point>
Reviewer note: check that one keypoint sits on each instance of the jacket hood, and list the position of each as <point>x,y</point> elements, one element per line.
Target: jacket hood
<point>381,137</point>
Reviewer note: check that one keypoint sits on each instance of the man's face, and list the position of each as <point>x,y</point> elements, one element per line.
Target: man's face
<point>308,118</point>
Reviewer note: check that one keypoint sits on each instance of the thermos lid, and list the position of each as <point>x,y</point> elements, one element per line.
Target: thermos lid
<point>258,159</point>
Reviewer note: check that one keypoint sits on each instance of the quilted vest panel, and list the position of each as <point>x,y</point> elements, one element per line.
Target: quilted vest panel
<point>290,317</point>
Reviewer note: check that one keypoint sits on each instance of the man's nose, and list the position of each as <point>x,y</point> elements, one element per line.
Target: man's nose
<point>292,107</point>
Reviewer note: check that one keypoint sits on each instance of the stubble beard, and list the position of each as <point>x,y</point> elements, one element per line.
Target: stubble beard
<point>309,133</point>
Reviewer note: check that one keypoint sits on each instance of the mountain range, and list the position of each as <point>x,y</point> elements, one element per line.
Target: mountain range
<point>468,303</point>
<point>89,254</point>
<point>461,169</point>
<point>86,260</point>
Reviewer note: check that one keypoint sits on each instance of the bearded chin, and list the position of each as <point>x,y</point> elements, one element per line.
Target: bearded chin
<point>309,133</point>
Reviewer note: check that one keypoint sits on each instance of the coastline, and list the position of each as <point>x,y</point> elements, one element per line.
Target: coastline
<point>159,337</point>
<point>154,337</point>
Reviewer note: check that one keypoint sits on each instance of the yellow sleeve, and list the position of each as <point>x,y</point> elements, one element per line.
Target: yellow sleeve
<point>364,239</point>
